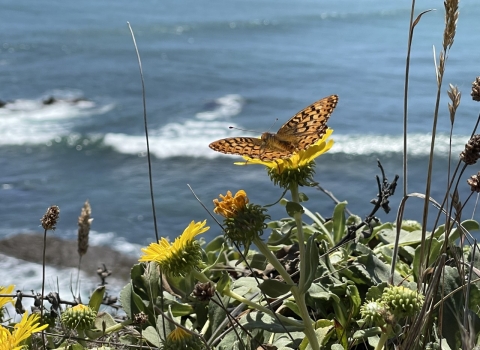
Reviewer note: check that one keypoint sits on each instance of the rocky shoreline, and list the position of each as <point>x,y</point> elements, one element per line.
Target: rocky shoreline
<point>63,253</point>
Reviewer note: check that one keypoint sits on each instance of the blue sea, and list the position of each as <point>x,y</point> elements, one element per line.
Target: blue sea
<point>209,65</point>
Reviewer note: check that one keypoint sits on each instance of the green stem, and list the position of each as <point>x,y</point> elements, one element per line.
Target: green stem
<point>382,341</point>
<point>300,297</point>
<point>118,326</point>
<point>272,259</point>
<point>259,307</point>
<point>82,337</point>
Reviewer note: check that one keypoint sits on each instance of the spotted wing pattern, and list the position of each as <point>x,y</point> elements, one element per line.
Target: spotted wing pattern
<point>301,131</point>
<point>247,146</point>
<point>310,124</point>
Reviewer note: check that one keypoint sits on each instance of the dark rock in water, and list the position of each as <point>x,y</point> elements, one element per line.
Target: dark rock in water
<point>2,103</point>
<point>49,101</point>
<point>63,253</point>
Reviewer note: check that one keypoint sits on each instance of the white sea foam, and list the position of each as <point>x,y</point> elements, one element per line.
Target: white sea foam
<point>418,144</point>
<point>34,122</point>
<point>191,139</point>
<point>225,106</point>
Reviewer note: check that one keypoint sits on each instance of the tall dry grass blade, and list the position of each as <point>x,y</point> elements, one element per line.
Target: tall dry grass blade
<point>451,17</point>
<point>412,25</point>
<point>149,160</point>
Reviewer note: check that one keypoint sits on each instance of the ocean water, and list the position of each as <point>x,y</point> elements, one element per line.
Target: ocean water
<point>209,65</point>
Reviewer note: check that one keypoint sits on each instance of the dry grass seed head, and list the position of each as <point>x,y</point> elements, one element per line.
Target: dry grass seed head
<point>84,222</point>
<point>49,220</point>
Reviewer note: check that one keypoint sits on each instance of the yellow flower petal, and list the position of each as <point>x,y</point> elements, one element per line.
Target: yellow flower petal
<point>163,250</point>
<point>230,206</point>
<point>6,290</point>
<point>27,326</point>
<point>297,159</point>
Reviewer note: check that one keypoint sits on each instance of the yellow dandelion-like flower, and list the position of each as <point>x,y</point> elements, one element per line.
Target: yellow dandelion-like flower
<point>229,206</point>
<point>6,290</point>
<point>180,257</point>
<point>297,168</point>
<point>243,221</point>
<point>22,331</point>
<point>180,339</point>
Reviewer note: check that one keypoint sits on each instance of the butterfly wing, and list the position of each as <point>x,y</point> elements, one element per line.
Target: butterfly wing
<point>310,124</point>
<point>247,146</point>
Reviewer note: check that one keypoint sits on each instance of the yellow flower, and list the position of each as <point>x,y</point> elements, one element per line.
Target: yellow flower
<point>181,339</point>
<point>6,290</point>
<point>230,206</point>
<point>297,168</point>
<point>79,317</point>
<point>180,257</point>
<point>179,334</point>
<point>243,221</point>
<point>22,331</point>
<point>297,159</point>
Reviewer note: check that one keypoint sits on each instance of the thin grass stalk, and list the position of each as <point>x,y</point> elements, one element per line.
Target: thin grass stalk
<point>49,222</point>
<point>149,160</point>
<point>44,263</point>
<point>405,100</point>
<point>405,127</point>
<point>468,329</point>
<point>451,17</point>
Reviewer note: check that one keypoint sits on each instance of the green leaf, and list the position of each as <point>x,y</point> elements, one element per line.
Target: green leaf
<point>223,283</point>
<point>366,333</point>
<point>97,298</point>
<point>151,335</point>
<point>260,320</point>
<point>303,197</point>
<point>126,300</point>
<point>293,208</point>
<point>216,315</point>
<point>292,305</point>
<point>311,258</point>
<point>339,221</point>
<point>323,330</point>
<point>104,318</point>
<point>169,326</point>
<point>215,244</point>
<point>435,250</point>
<point>150,279</point>
<point>337,347</point>
<point>274,288</point>
<point>469,225</point>
<point>355,299</point>
<point>257,261</point>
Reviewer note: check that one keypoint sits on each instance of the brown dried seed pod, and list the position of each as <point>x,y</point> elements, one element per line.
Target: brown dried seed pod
<point>474,182</point>
<point>476,89</point>
<point>471,153</point>
<point>204,291</point>
<point>49,220</point>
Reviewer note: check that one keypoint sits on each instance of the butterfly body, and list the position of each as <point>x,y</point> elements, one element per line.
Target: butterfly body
<point>300,132</point>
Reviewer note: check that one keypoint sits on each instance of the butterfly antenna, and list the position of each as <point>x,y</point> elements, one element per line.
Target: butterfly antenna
<point>235,128</point>
<point>271,126</point>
